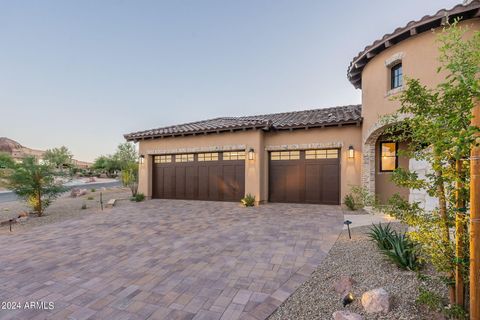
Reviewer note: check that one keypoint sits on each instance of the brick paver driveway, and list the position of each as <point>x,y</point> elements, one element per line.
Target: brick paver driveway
<point>165,259</point>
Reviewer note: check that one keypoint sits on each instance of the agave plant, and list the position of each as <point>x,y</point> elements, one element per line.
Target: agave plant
<point>403,252</point>
<point>381,235</point>
<point>397,247</point>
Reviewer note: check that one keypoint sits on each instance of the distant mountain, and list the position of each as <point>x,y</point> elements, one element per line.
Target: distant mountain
<point>18,152</point>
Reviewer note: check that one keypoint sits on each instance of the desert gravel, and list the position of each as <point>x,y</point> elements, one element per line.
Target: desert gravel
<point>63,208</point>
<point>360,259</point>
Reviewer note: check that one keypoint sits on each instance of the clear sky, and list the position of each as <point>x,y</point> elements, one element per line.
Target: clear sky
<point>83,73</point>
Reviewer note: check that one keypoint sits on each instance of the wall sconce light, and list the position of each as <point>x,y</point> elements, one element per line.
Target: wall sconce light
<point>351,152</point>
<point>251,154</point>
<point>141,159</point>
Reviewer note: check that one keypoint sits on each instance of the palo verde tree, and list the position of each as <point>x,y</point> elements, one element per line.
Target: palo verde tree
<point>35,183</point>
<point>58,157</point>
<point>436,123</point>
<point>126,156</point>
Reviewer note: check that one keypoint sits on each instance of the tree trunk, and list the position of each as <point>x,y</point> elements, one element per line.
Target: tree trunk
<point>442,205</point>
<point>459,235</point>
<point>475,222</point>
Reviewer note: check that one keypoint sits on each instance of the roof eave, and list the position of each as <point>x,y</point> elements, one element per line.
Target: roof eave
<point>412,29</point>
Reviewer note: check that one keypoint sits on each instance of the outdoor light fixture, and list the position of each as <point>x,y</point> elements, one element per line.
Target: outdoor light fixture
<point>348,223</point>
<point>141,159</point>
<point>351,152</point>
<point>349,298</point>
<point>251,154</point>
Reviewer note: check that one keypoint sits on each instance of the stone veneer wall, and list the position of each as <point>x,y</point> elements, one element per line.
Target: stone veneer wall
<point>426,202</point>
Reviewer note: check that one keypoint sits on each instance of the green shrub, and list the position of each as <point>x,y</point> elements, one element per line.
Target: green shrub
<point>90,198</point>
<point>93,190</point>
<point>381,235</point>
<point>84,206</point>
<point>358,198</point>
<point>403,252</point>
<point>397,247</point>
<point>429,299</point>
<point>248,201</point>
<point>350,202</point>
<point>139,197</point>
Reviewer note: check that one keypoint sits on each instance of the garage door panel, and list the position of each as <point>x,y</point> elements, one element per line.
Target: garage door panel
<point>277,183</point>
<point>313,185</point>
<point>330,184</point>
<point>169,182</point>
<point>214,182</point>
<point>293,181</point>
<point>157,191</point>
<point>203,182</point>
<point>229,184</point>
<point>296,178</point>
<point>240,181</point>
<point>179,182</point>
<point>191,181</point>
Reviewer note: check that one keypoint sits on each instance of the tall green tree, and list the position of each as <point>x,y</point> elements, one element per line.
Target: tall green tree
<point>436,123</point>
<point>6,167</point>
<point>126,154</point>
<point>127,158</point>
<point>58,157</point>
<point>35,183</point>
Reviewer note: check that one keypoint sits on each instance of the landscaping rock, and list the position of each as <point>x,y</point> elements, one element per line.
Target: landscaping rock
<point>344,285</point>
<point>23,214</point>
<point>346,315</point>
<point>376,300</point>
<point>74,192</point>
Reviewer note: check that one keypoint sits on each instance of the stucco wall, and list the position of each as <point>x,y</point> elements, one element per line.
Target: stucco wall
<point>419,56</point>
<point>419,60</point>
<point>256,171</point>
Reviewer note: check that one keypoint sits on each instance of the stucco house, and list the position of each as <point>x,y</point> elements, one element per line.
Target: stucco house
<point>311,156</point>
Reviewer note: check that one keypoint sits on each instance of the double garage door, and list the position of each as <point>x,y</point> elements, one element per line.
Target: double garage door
<point>311,176</point>
<point>218,176</point>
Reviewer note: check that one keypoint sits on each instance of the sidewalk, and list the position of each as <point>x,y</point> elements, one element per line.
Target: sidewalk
<point>359,220</point>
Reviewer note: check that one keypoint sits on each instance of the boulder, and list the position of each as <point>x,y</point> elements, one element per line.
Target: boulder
<point>346,315</point>
<point>74,192</point>
<point>376,300</point>
<point>344,285</point>
<point>23,214</point>
<point>82,192</point>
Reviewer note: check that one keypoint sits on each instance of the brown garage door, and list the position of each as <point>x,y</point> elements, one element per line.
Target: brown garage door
<point>311,176</point>
<point>218,176</point>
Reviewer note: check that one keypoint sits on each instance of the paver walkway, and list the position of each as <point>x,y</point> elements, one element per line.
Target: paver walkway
<point>167,259</point>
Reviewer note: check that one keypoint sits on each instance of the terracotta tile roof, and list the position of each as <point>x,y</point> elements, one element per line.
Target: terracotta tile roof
<point>427,23</point>
<point>276,121</point>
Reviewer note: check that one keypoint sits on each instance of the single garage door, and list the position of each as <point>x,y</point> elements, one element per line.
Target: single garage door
<point>311,176</point>
<point>217,176</point>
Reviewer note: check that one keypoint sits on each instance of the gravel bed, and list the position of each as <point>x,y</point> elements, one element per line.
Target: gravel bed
<point>360,259</point>
<point>63,208</point>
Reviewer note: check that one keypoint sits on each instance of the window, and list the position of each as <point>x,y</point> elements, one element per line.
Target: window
<point>184,157</point>
<point>162,159</point>
<point>388,156</point>
<point>396,76</point>
<point>285,155</point>
<point>208,156</point>
<point>321,154</point>
<point>234,155</point>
